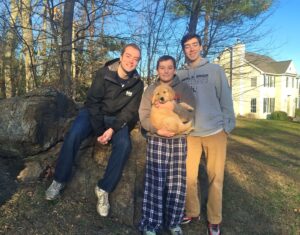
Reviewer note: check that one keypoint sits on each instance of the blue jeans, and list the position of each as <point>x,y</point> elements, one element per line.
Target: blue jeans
<point>82,129</point>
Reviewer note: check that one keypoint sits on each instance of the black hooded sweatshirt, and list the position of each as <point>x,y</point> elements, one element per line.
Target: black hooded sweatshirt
<point>110,97</point>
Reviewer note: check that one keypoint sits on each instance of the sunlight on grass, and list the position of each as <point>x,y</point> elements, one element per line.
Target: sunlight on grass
<point>263,166</point>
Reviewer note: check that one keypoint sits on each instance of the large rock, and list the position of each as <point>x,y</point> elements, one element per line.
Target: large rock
<point>89,167</point>
<point>127,197</point>
<point>32,127</point>
<point>33,123</point>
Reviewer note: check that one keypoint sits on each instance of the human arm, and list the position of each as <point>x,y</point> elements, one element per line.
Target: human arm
<point>128,112</point>
<point>144,114</point>
<point>226,104</point>
<point>186,98</point>
<point>94,102</point>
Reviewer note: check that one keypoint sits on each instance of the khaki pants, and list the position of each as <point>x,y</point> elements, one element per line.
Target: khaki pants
<point>214,147</point>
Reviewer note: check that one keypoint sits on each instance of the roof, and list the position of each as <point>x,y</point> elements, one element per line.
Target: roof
<point>267,64</point>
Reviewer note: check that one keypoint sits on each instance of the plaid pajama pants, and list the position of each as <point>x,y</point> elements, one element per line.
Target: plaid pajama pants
<point>165,183</point>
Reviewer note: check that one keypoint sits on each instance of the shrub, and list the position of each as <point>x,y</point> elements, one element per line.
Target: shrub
<point>279,115</point>
<point>297,113</point>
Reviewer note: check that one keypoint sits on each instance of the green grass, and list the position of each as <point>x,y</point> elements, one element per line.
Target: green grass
<point>262,179</point>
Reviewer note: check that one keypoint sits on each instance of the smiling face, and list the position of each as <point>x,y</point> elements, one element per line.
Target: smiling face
<point>192,49</point>
<point>166,71</point>
<point>130,59</point>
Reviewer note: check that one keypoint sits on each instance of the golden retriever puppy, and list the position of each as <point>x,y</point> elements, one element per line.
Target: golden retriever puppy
<point>162,118</point>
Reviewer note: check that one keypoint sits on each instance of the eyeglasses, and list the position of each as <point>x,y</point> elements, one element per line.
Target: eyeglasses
<point>192,45</point>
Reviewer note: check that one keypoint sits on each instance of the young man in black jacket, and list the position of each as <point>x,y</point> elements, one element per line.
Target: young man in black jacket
<point>110,113</point>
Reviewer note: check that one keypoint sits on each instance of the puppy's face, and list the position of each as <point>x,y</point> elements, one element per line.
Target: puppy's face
<point>162,94</point>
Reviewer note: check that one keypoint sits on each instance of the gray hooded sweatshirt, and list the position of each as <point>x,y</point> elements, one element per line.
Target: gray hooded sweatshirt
<point>214,107</point>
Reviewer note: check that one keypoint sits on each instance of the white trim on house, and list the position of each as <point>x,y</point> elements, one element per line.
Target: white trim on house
<point>276,97</point>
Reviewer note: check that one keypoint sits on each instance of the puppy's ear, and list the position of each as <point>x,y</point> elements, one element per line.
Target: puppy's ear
<point>172,93</point>
<point>154,94</point>
<point>153,98</point>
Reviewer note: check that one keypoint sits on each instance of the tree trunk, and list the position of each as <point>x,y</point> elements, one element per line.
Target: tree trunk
<point>9,52</point>
<point>43,51</point>
<point>30,73</point>
<point>91,42</point>
<point>195,13</point>
<point>2,81</point>
<point>206,34</point>
<point>66,49</point>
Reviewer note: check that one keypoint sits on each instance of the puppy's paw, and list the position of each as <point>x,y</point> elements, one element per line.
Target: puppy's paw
<point>186,106</point>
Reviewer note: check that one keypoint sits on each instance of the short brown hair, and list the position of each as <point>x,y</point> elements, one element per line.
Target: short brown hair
<point>131,45</point>
<point>164,58</point>
<point>189,36</point>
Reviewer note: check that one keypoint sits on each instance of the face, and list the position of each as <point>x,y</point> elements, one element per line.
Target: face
<point>192,49</point>
<point>166,71</point>
<point>130,59</point>
<point>162,94</point>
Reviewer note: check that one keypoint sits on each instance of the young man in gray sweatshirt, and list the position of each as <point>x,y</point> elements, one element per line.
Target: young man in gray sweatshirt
<point>214,119</point>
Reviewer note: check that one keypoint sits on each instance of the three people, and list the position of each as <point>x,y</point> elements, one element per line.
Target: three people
<point>110,113</point>
<point>214,119</point>
<point>165,186</point>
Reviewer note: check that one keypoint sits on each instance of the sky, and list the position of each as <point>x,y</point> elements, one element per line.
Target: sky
<point>284,37</point>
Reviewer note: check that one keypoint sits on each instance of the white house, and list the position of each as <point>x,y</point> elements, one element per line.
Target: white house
<point>260,85</point>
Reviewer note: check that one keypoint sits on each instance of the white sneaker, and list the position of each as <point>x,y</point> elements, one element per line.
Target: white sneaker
<point>54,190</point>
<point>103,203</point>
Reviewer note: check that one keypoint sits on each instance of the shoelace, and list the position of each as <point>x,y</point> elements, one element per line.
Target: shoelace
<point>56,186</point>
<point>103,199</point>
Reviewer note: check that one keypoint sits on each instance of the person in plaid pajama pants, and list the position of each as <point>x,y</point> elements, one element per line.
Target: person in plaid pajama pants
<point>165,179</point>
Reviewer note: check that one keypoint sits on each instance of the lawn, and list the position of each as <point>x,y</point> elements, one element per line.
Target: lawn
<point>261,192</point>
<point>262,179</point>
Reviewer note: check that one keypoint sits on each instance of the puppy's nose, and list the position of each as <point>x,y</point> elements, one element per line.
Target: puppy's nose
<point>161,99</point>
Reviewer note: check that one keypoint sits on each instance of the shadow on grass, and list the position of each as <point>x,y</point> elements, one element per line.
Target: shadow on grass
<point>261,204</point>
<point>9,170</point>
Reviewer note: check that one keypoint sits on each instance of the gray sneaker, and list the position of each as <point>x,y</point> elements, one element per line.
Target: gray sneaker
<point>176,230</point>
<point>103,203</point>
<point>54,190</point>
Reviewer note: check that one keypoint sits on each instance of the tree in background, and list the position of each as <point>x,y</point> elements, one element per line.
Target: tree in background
<point>77,37</point>
<point>9,47</point>
<point>66,48</point>
<point>25,10</point>
<point>221,21</point>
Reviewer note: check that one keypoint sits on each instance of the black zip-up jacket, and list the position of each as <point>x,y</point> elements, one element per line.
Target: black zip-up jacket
<point>107,96</point>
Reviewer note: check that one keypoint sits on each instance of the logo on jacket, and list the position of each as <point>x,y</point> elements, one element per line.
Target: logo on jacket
<point>128,93</point>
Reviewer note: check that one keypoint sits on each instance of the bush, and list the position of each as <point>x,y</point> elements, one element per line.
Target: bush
<point>279,115</point>
<point>297,113</point>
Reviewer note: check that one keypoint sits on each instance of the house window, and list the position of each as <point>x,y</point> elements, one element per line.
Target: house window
<point>254,82</point>
<point>269,105</point>
<point>253,105</point>
<point>273,81</point>
<point>287,82</point>
<point>269,81</point>
<point>297,103</point>
<point>265,81</point>
<point>293,80</point>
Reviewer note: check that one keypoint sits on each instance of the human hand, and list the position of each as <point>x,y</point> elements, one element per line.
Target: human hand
<point>106,136</point>
<point>167,105</point>
<point>165,133</point>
